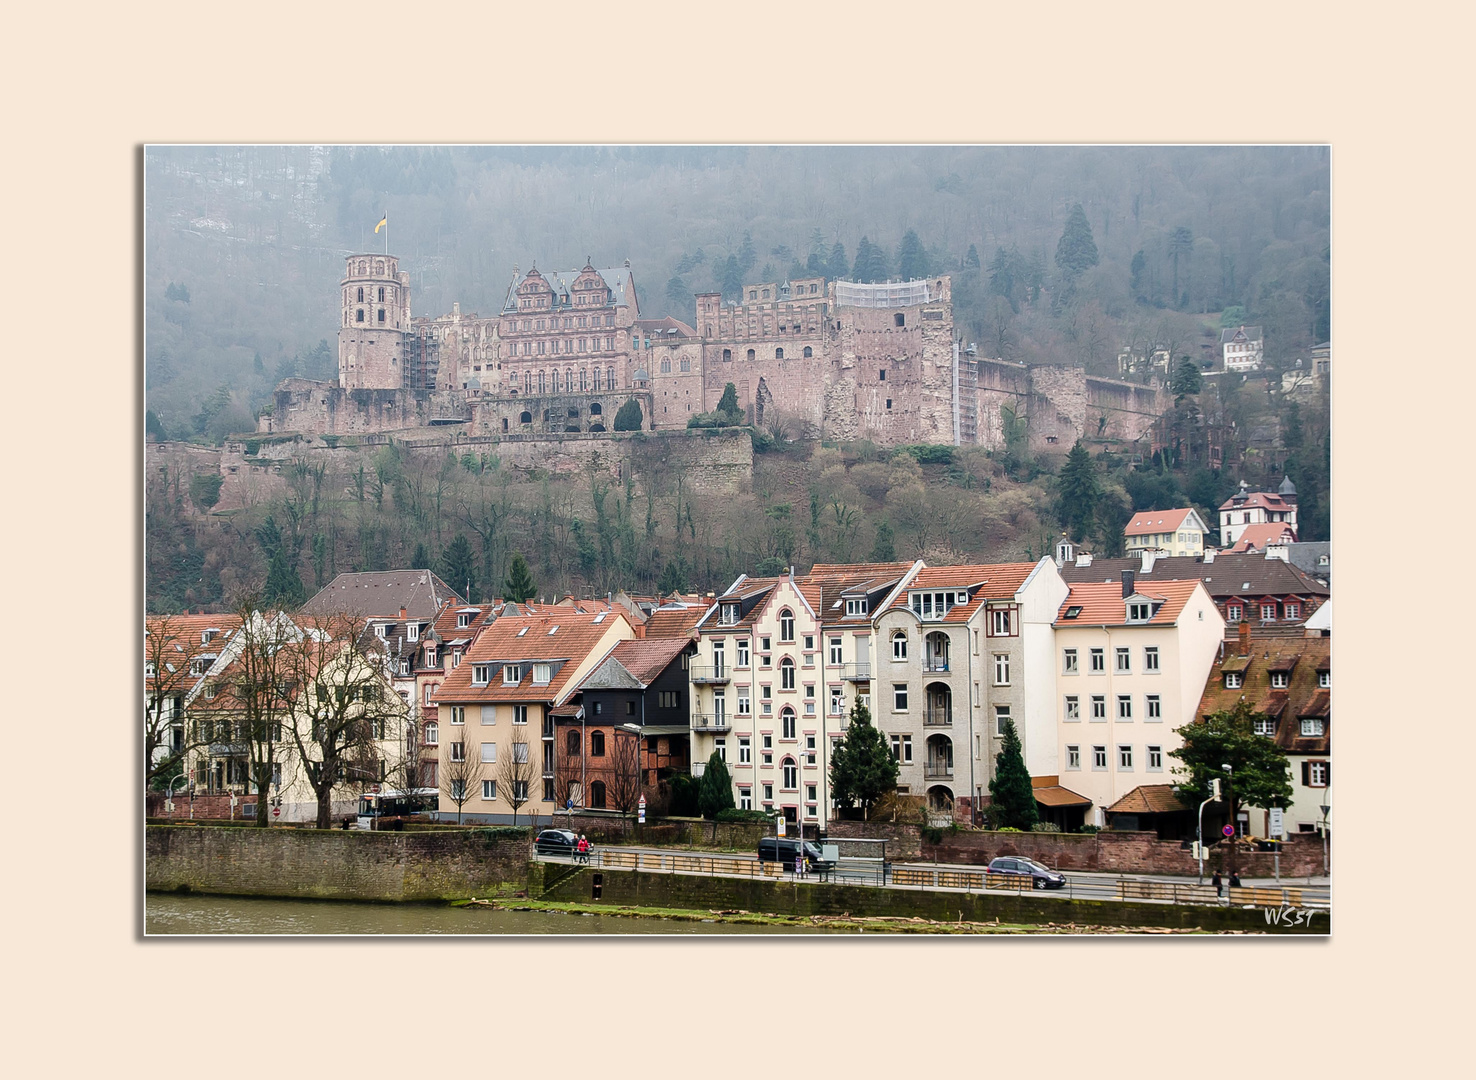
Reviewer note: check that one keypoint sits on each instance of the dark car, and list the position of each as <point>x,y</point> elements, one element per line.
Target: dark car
<point>1043,876</point>
<point>555,842</point>
<point>775,849</point>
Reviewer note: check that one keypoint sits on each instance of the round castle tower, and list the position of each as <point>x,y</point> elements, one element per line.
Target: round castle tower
<point>376,316</point>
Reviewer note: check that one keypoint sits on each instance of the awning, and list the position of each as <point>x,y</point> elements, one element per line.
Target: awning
<point>1059,796</point>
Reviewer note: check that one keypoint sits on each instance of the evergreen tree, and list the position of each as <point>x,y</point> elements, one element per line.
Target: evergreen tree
<point>1076,251</point>
<point>715,793</point>
<point>863,260</point>
<point>284,588</point>
<point>674,577</point>
<point>971,260</point>
<point>1079,493</point>
<point>837,265</point>
<point>862,769</point>
<point>459,567</point>
<point>1012,801</point>
<point>772,566</point>
<point>728,403</point>
<point>884,549</point>
<point>912,258</point>
<point>628,418</point>
<point>747,256</point>
<point>730,280</point>
<point>152,427</point>
<point>678,295</point>
<point>421,559</point>
<point>1187,379</point>
<point>519,586</point>
<point>1139,268</point>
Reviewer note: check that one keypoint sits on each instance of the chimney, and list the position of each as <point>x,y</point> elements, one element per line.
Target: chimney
<point>1127,584</point>
<point>1245,637</point>
<point>1209,555</point>
<point>1148,556</point>
<point>402,613</point>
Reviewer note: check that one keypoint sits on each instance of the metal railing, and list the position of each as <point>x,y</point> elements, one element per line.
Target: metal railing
<point>938,771</point>
<point>938,718</point>
<point>712,723</point>
<point>936,664</point>
<point>709,673</point>
<point>857,672</point>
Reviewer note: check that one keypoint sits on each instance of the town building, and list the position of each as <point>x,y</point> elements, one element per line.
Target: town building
<point>178,651</point>
<point>1242,348</point>
<point>417,594</point>
<point>1131,659</point>
<point>1246,508</point>
<point>1166,532</point>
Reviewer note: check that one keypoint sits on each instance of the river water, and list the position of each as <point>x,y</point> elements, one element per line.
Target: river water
<point>168,913</point>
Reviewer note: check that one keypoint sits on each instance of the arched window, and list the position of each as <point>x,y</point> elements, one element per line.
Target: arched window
<point>809,352</point>
<point>666,365</point>
<point>899,645</point>
<point>751,354</point>
<point>571,743</point>
<point>432,733</point>
<point>786,722</point>
<point>596,409</point>
<point>597,795</point>
<point>778,354</point>
<point>786,625</point>
<point>597,744</point>
<point>727,355</point>
<point>786,674</point>
<point>525,417</point>
<point>791,775</point>
<point>504,423</point>
<point>361,294</point>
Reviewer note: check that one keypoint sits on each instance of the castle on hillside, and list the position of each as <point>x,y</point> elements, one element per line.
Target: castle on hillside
<point>834,359</point>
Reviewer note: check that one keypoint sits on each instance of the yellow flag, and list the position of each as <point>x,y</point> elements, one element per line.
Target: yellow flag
<point>382,222</point>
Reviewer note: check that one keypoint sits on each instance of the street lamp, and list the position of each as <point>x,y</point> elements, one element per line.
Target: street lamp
<point>1199,829</point>
<point>1324,807</point>
<point>1230,808</point>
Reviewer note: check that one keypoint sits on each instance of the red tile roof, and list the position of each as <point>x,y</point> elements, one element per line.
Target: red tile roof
<point>1148,799</point>
<point>1256,537</point>
<point>1103,604</point>
<point>1302,697</point>
<point>674,622</point>
<point>1147,522</point>
<point>994,581</point>
<point>646,658</point>
<point>575,637</point>
<point>1270,500</point>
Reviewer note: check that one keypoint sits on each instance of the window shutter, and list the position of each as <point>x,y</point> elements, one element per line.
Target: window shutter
<point>1327,773</point>
<point>1306,774</point>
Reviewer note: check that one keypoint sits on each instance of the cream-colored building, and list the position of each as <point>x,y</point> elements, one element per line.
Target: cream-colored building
<point>1130,667</point>
<point>1166,532</point>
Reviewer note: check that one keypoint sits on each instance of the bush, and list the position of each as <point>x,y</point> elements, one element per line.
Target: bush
<point>1090,828</point>
<point>1007,828</point>
<point>742,815</point>
<point>928,453</point>
<point>629,416</point>
<point>205,489</point>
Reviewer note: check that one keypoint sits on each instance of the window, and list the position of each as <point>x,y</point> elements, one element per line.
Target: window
<point>1001,718</point>
<point>786,722</point>
<point>744,705</point>
<point>721,746</point>
<point>1154,705</point>
<point>458,789</point>
<point>751,354</point>
<point>745,795</point>
<point>809,699</point>
<point>768,788</point>
<point>728,614</point>
<point>743,658</point>
<point>1279,680</point>
<point>899,697</point>
<point>489,715</point>
<point>1324,679</point>
<point>810,798</point>
<point>458,751</point>
<point>809,750</point>
<point>1232,612</point>
<point>481,674</point>
<point>1073,757</point>
<point>1099,661</point>
<point>596,744</point>
<point>541,674</point>
<point>764,647</point>
<point>1139,611</point>
<point>1001,669</point>
<point>1311,727</point>
<point>1293,611</point>
<point>489,753</point>
<point>1232,680</point>
<point>1124,706</point>
<point>778,354</point>
<point>1264,725</point>
<point>1000,623</point>
<point>1316,773</point>
<point>809,647</point>
<point>881,375</point>
<point>432,733</point>
<point>1155,759</point>
<point>837,701</point>
<point>1099,707</point>
<point>786,625</point>
<point>520,753</point>
<point>458,714</point>
<point>489,790</point>
<point>835,650</point>
<point>571,744</point>
<point>1125,758</point>
<point>667,699</point>
<point>1268,612</point>
<point>430,656</point>
<point>1124,661</point>
<point>727,355</point>
<point>412,631</point>
<point>1099,757</point>
<point>1073,709</point>
<point>899,645</point>
<point>790,781</point>
<point>1150,658</point>
<point>902,748</point>
<point>1068,662</point>
<point>857,606</point>
<point>520,714</point>
<point>745,750</point>
<point>786,674</point>
<point>511,673</point>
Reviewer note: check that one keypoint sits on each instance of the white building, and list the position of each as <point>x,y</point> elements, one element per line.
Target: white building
<point>1242,348</point>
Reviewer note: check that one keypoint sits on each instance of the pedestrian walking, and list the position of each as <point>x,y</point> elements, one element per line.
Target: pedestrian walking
<point>581,849</point>
<point>1219,891</point>
<point>1234,880</point>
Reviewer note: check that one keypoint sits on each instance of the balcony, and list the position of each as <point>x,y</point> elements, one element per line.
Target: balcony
<point>858,672</point>
<point>709,674</point>
<point>938,770</point>
<point>711,723</point>
<point>938,718</point>
<point>935,663</point>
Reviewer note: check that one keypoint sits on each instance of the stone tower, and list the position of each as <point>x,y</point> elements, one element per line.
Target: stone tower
<point>376,317</point>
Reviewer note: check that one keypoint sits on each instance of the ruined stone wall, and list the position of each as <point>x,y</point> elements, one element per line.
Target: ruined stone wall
<point>677,394</point>
<point>319,408</point>
<point>554,414</point>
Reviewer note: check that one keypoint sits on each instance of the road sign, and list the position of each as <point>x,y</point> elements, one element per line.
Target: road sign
<point>1276,822</point>
<point>569,804</point>
<point>799,864</point>
<point>641,807</point>
<point>1228,830</point>
<point>169,806</point>
<point>781,824</point>
<point>276,811</point>
<point>1324,810</point>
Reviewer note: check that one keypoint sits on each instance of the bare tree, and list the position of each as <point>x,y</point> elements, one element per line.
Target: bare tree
<point>172,655</point>
<point>515,773</point>
<point>461,773</point>
<point>345,708</point>
<point>624,791</point>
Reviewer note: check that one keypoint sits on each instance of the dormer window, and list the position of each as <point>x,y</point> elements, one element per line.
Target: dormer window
<point>463,620</point>
<point>405,666</point>
<point>207,635</point>
<point>511,673</point>
<point>430,656</point>
<point>1324,680</point>
<point>481,674</point>
<point>1000,623</point>
<point>1139,611</point>
<point>149,670</point>
<point>935,605</point>
<point>856,606</point>
<point>1232,680</point>
<point>542,673</point>
<point>412,631</point>
<point>381,630</point>
<point>728,615</point>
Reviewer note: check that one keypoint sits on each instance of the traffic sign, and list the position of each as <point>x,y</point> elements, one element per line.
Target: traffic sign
<point>641,807</point>
<point>1276,822</point>
<point>169,806</point>
<point>276,811</point>
<point>1228,830</point>
<point>781,824</point>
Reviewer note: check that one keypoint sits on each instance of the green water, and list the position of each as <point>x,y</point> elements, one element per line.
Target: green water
<point>168,913</point>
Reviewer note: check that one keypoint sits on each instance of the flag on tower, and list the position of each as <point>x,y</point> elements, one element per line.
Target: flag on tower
<point>382,223</point>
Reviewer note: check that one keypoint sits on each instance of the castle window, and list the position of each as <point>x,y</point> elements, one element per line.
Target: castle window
<point>595,409</point>
<point>727,355</point>
<point>525,417</point>
<point>597,380</point>
<point>686,365</point>
<point>359,315</point>
<point>750,354</point>
<point>504,423</point>
<point>610,383</point>
<point>881,375</point>
<point>752,294</point>
<point>381,314</point>
<point>381,294</point>
<point>889,404</point>
<point>778,354</point>
<point>361,294</point>
<point>666,365</point>
<point>900,319</point>
<point>809,352</point>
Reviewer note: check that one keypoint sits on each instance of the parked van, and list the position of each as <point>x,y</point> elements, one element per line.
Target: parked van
<point>784,850</point>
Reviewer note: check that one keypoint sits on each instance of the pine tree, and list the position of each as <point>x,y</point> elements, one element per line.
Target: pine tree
<point>459,567</point>
<point>628,418</point>
<point>837,265</point>
<point>1012,801</point>
<point>715,793</point>
<point>519,586</point>
<point>971,260</point>
<point>1079,493</point>
<point>1187,379</point>
<point>421,559</point>
<point>912,258</point>
<point>728,403</point>
<point>747,256</point>
<point>1076,251</point>
<point>884,549</point>
<point>673,577</point>
<point>862,769</point>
